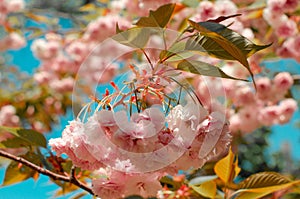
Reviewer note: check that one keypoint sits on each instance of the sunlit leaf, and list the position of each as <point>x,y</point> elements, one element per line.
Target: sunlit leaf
<point>66,187</point>
<point>202,68</point>
<point>17,172</point>
<point>157,18</point>
<point>262,184</point>
<point>78,196</point>
<point>207,189</point>
<point>38,18</point>
<point>14,174</point>
<point>33,137</point>
<point>134,37</point>
<point>201,179</point>
<point>263,179</point>
<point>227,168</point>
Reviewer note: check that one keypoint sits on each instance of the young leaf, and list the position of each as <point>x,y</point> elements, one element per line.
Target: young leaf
<point>157,18</point>
<point>203,68</point>
<point>262,184</point>
<point>227,168</point>
<point>13,174</point>
<point>33,137</point>
<point>16,172</point>
<point>134,37</point>
<point>207,189</point>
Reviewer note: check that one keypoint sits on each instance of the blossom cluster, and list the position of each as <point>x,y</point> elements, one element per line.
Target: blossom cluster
<point>143,149</point>
<point>266,107</point>
<point>61,57</point>
<point>276,14</point>
<point>248,108</point>
<point>12,40</point>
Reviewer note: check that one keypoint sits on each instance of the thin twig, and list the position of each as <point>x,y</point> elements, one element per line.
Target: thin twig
<point>46,172</point>
<point>148,59</point>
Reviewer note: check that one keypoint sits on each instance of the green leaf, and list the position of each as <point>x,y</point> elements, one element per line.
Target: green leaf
<point>157,18</point>
<point>213,33</point>
<point>15,142</point>
<point>224,43</point>
<point>33,137</point>
<point>134,37</point>
<point>262,184</point>
<point>176,52</point>
<point>203,68</point>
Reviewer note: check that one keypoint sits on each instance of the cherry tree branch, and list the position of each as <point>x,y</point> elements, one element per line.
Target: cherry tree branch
<point>72,179</point>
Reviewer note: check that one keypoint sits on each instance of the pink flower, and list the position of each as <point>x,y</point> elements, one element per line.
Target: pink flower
<point>44,77</point>
<point>286,28</point>
<point>272,18</point>
<point>248,118</point>
<point>108,189</point>
<point>45,49</point>
<point>244,96</point>
<point>141,125</point>
<point>104,27</point>
<point>290,5</point>
<point>206,10</point>
<point>269,115</point>
<point>73,143</point>
<point>63,85</point>
<point>287,108</point>
<point>264,88</point>
<point>78,50</point>
<point>8,116</point>
<point>15,5</point>
<point>276,6</point>
<point>12,41</point>
<point>215,136</point>
<point>225,7</point>
<point>283,81</point>
<point>184,119</point>
<point>235,123</point>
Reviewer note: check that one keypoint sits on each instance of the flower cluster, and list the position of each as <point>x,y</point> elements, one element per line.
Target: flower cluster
<point>142,146</point>
<point>250,109</point>
<point>8,6</point>
<point>61,57</point>
<point>12,40</point>
<point>148,142</point>
<point>266,107</point>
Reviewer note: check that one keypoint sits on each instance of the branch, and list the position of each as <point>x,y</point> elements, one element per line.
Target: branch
<point>46,172</point>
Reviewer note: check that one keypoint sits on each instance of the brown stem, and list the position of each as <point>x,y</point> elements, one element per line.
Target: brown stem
<point>148,59</point>
<point>46,172</point>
